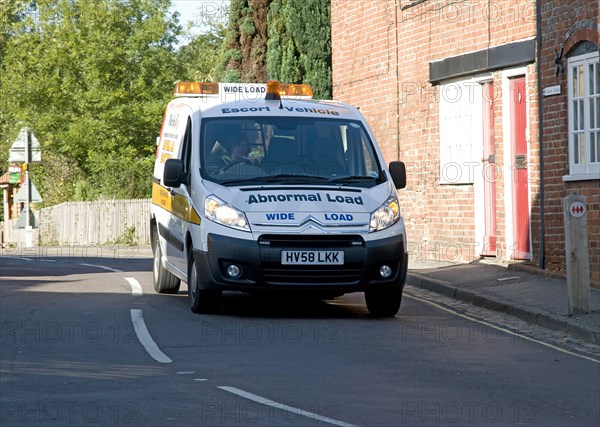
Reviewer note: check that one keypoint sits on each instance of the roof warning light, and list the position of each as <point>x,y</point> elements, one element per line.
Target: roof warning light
<point>274,90</point>
<point>196,88</point>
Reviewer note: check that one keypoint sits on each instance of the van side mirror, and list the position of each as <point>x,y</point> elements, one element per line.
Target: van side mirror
<point>174,175</point>
<point>398,172</point>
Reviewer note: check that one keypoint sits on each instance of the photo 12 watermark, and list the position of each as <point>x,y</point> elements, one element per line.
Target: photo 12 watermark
<point>270,332</point>
<point>469,413</point>
<point>468,11</point>
<point>69,413</point>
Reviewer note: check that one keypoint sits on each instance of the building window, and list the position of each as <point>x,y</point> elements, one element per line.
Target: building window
<point>584,116</point>
<point>460,131</point>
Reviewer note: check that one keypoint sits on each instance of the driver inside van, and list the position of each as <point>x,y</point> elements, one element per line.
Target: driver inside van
<point>237,147</point>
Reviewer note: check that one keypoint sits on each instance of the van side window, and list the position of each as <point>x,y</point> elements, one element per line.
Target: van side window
<point>186,150</point>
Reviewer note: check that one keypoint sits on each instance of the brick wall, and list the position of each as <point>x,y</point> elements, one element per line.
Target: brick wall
<point>381,55</point>
<point>381,52</point>
<point>365,56</point>
<point>565,24</point>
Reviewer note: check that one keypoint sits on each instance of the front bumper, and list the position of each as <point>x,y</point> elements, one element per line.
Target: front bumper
<point>260,262</point>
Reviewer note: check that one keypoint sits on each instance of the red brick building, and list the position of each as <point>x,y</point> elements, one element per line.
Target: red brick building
<point>450,87</point>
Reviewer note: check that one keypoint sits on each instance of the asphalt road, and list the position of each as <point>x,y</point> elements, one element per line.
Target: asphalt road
<point>70,355</point>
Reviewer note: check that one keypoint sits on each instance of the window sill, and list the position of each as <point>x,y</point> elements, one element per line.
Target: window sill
<point>581,177</point>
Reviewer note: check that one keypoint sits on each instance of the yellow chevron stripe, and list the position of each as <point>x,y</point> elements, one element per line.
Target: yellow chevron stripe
<point>178,204</point>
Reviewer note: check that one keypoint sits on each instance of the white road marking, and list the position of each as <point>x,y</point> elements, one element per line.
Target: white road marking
<point>115,270</point>
<point>136,288</point>
<point>267,402</point>
<point>343,304</point>
<point>144,337</point>
<point>504,279</point>
<point>507,331</point>
<point>27,259</point>
<point>48,260</point>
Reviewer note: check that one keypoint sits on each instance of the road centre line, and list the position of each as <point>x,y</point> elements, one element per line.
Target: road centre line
<point>115,270</point>
<point>267,402</point>
<point>507,331</point>
<point>145,339</point>
<point>136,288</point>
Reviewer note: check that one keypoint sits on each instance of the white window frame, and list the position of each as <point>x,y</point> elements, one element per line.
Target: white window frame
<point>584,170</point>
<point>461,132</point>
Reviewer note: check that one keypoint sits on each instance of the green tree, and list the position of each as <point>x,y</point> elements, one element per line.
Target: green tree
<point>91,79</point>
<point>199,58</point>
<point>299,50</point>
<point>11,12</point>
<point>230,67</point>
<point>245,46</point>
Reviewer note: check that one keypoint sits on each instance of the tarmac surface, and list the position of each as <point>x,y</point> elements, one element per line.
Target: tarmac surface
<point>518,290</point>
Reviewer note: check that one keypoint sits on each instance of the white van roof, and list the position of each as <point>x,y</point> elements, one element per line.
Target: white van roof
<point>250,99</point>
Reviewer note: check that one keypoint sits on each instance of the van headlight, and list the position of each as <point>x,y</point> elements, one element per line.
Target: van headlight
<point>220,212</point>
<point>386,215</point>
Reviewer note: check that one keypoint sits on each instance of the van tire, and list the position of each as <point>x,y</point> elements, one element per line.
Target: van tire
<point>202,301</point>
<point>384,302</point>
<point>164,281</point>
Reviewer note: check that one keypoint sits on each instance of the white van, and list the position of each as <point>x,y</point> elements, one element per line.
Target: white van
<point>257,187</point>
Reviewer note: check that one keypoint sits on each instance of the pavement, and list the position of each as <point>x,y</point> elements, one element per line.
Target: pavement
<point>515,289</point>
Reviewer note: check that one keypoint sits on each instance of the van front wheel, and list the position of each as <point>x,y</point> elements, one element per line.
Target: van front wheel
<point>201,300</point>
<point>164,281</point>
<point>384,302</point>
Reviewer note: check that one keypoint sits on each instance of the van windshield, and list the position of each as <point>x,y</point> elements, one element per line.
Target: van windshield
<point>284,150</point>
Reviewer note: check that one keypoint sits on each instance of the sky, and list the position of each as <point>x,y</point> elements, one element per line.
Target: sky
<point>192,10</point>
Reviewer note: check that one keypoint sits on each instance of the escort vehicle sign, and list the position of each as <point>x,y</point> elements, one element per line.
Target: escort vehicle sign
<point>242,91</point>
<point>303,219</point>
<point>304,197</point>
<point>322,111</point>
<point>308,209</point>
<point>245,88</point>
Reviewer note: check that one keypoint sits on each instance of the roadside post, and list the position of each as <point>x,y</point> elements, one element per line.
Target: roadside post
<point>28,228</point>
<point>577,253</point>
<point>26,149</point>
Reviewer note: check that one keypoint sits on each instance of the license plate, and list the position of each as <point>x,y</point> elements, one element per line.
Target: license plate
<point>312,257</point>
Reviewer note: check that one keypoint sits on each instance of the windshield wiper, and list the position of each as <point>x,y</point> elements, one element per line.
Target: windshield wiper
<point>241,181</point>
<point>355,178</point>
<point>287,177</point>
<point>303,179</point>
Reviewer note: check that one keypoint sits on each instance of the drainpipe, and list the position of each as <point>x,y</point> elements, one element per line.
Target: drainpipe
<point>538,8</point>
<point>398,151</point>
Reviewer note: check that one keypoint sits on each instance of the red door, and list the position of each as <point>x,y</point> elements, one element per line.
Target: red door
<point>489,172</point>
<point>521,216</point>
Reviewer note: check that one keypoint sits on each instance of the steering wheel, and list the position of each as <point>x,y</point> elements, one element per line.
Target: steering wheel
<point>235,162</point>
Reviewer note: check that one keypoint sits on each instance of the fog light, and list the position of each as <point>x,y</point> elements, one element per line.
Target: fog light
<point>234,271</point>
<point>385,271</point>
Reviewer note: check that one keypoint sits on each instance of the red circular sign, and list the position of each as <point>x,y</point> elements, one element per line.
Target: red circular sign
<point>577,209</point>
